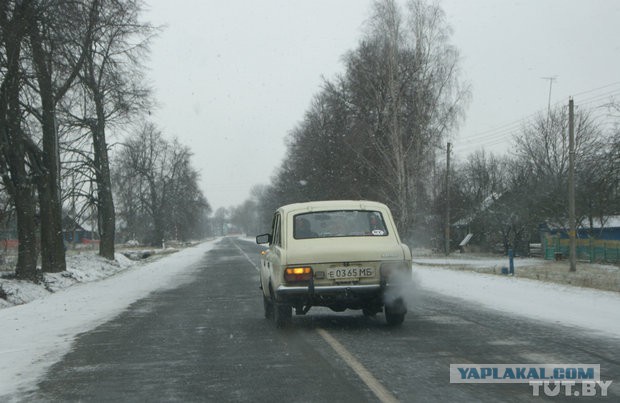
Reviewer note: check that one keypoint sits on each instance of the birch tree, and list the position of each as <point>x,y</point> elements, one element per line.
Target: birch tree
<point>373,132</point>
<point>402,88</point>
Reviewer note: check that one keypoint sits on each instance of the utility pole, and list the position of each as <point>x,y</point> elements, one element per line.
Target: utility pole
<point>447,227</point>
<point>551,80</point>
<point>571,187</point>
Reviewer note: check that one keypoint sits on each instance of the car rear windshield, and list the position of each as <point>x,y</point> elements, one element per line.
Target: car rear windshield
<point>341,223</point>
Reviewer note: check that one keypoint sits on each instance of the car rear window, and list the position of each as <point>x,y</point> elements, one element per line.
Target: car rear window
<point>340,223</point>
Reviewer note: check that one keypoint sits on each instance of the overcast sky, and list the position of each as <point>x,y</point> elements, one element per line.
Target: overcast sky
<point>233,77</point>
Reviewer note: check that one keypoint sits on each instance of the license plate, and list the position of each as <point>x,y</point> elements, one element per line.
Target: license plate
<point>347,273</point>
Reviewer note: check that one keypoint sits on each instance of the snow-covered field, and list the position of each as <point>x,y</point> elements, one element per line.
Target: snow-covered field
<point>39,332</point>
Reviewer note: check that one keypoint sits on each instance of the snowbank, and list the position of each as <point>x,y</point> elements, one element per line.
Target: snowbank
<point>592,275</point>
<point>473,261</point>
<point>595,310</point>
<point>81,268</point>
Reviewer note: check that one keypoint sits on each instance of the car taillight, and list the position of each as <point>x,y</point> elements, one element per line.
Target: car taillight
<point>296,274</point>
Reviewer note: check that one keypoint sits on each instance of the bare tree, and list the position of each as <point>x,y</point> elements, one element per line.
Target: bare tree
<point>404,82</point>
<point>58,35</point>
<point>320,163</point>
<point>373,132</point>
<point>483,175</point>
<point>542,150</point>
<point>50,46</point>
<point>220,219</point>
<point>15,165</point>
<point>111,91</point>
<point>245,217</point>
<point>157,184</point>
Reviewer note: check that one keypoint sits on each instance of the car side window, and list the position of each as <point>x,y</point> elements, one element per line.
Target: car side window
<point>277,237</point>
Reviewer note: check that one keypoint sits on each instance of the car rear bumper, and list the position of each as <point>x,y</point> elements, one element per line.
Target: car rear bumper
<point>327,290</point>
<point>335,296</point>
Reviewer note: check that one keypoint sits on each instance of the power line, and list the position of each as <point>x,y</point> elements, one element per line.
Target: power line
<point>596,89</point>
<point>499,134</point>
<point>597,98</point>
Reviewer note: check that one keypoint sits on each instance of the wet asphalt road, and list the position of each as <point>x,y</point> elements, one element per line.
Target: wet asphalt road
<point>208,341</point>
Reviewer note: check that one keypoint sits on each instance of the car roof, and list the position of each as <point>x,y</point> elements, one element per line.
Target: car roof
<point>325,205</point>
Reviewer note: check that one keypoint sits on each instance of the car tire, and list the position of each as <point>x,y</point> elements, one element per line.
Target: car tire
<point>368,313</point>
<point>268,306</point>
<point>395,312</point>
<point>282,314</point>
<point>394,319</point>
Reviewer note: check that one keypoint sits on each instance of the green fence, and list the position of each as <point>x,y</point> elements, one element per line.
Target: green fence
<point>593,250</point>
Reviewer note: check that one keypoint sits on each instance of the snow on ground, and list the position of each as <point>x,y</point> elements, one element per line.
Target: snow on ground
<point>466,260</point>
<point>595,310</point>
<point>81,268</point>
<point>38,333</point>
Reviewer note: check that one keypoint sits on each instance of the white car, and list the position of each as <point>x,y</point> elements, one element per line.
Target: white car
<point>339,254</point>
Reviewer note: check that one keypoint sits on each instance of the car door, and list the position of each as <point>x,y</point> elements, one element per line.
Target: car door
<point>270,270</point>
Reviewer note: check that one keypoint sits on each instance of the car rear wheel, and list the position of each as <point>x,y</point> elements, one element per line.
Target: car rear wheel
<point>368,313</point>
<point>282,314</point>
<point>268,306</point>
<point>394,319</point>
<point>395,312</point>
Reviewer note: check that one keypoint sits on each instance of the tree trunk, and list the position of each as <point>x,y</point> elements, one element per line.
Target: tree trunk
<point>105,201</point>
<point>158,230</point>
<point>13,150</point>
<point>106,214</point>
<point>106,218</point>
<point>20,189</point>
<point>26,235</point>
<point>52,240</point>
<point>52,243</point>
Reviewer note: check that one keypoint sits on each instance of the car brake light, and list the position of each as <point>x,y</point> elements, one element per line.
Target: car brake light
<point>295,274</point>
